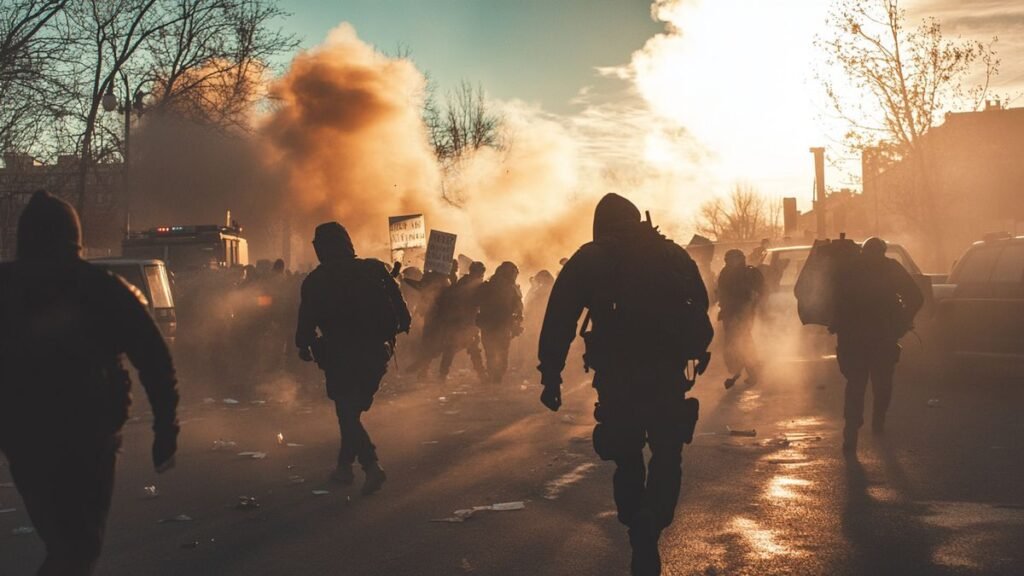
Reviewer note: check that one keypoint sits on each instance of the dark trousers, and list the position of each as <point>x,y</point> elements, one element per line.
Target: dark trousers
<point>642,490</point>
<point>863,360</point>
<point>740,351</point>
<point>496,346</point>
<point>352,382</point>
<point>467,339</point>
<point>355,440</point>
<point>67,488</point>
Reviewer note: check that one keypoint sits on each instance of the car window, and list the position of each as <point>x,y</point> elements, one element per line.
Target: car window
<point>1010,266</point>
<point>131,273</point>
<point>976,266</point>
<point>159,287</point>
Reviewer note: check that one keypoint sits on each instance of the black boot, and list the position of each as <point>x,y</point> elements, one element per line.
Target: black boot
<point>343,474</point>
<point>375,478</point>
<point>850,442</point>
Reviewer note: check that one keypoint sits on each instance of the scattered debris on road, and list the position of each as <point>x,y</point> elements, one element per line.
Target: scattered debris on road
<point>150,492</point>
<point>933,403</point>
<point>247,503</point>
<point>223,445</point>
<point>460,516</point>
<point>253,455</point>
<point>751,433</point>
<point>178,518</point>
<point>321,492</point>
<point>230,401</point>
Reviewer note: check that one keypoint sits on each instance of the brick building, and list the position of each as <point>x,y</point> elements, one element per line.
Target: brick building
<point>103,217</point>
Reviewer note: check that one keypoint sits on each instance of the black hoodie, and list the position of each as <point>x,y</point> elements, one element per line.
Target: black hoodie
<point>64,326</point>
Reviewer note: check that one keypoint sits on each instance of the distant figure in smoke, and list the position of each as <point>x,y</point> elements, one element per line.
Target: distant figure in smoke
<point>739,291</point>
<point>536,303</point>
<point>64,395</point>
<point>876,302</point>
<point>431,342</point>
<point>758,254</point>
<point>359,310</point>
<point>458,307</point>
<point>500,318</point>
<point>649,308</point>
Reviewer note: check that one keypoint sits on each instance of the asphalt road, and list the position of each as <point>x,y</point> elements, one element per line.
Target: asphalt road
<point>942,493</point>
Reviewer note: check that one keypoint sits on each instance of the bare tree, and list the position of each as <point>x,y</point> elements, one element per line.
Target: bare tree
<point>746,215</point>
<point>465,123</point>
<point>25,51</point>
<point>891,84</point>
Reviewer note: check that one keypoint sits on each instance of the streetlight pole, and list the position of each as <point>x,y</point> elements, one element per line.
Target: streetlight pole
<point>130,103</point>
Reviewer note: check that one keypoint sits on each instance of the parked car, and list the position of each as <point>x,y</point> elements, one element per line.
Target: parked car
<point>150,277</point>
<point>981,320</point>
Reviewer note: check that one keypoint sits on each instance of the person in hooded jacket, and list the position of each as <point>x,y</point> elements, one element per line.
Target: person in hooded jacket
<point>65,325</point>
<point>740,288</point>
<point>631,280</point>
<point>500,318</point>
<point>458,307</point>
<point>358,308</point>
<point>876,302</point>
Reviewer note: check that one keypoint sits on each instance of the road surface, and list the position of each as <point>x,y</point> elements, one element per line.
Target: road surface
<point>942,493</point>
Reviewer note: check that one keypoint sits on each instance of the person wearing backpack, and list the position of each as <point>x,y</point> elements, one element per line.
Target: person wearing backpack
<point>647,320</point>
<point>358,309</point>
<point>739,291</point>
<point>876,301</point>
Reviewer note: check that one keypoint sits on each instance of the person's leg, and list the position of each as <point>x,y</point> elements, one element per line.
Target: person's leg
<point>854,366</point>
<point>67,493</point>
<point>475,355</point>
<point>665,469</point>
<point>447,357</point>
<point>489,340</point>
<point>883,368</point>
<point>503,342</point>
<point>748,350</point>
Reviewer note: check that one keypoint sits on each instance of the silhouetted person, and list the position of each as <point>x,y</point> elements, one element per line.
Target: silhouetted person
<point>431,343</point>
<point>500,318</point>
<point>534,305</point>
<point>65,325</point>
<point>739,290</point>
<point>458,307</point>
<point>876,302</point>
<point>648,306</point>
<point>759,253</point>
<point>358,309</point>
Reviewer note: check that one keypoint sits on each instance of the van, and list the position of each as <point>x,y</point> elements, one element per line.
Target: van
<point>150,277</point>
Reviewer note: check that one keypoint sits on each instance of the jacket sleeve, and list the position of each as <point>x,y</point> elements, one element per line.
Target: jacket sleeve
<point>397,301</point>
<point>305,332</point>
<point>569,296</point>
<point>142,342</point>
<point>909,292</point>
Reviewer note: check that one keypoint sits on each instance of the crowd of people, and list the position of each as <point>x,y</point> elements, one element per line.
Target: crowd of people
<point>65,325</point>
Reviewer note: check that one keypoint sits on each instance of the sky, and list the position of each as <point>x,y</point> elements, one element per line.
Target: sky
<point>721,89</point>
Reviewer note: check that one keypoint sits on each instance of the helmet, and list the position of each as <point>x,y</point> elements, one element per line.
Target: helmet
<point>477,269</point>
<point>735,255</point>
<point>874,247</point>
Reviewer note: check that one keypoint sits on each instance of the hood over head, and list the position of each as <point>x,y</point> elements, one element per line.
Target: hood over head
<point>507,271</point>
<point>332,242</point>
<point>614,217</point>
<point>49,229</point>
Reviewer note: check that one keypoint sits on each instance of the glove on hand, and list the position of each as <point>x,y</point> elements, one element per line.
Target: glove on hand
<point>552,397</point>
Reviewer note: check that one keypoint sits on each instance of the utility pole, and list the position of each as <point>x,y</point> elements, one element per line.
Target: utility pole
<point>819,191</point>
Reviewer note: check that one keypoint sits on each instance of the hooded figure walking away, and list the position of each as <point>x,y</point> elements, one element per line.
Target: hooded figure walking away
<point>500,318</point>
<point>649,310</point>
<point>876,302</point>
<point>65,325</point>
<point>739,292</point>
<point>358,309</point>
